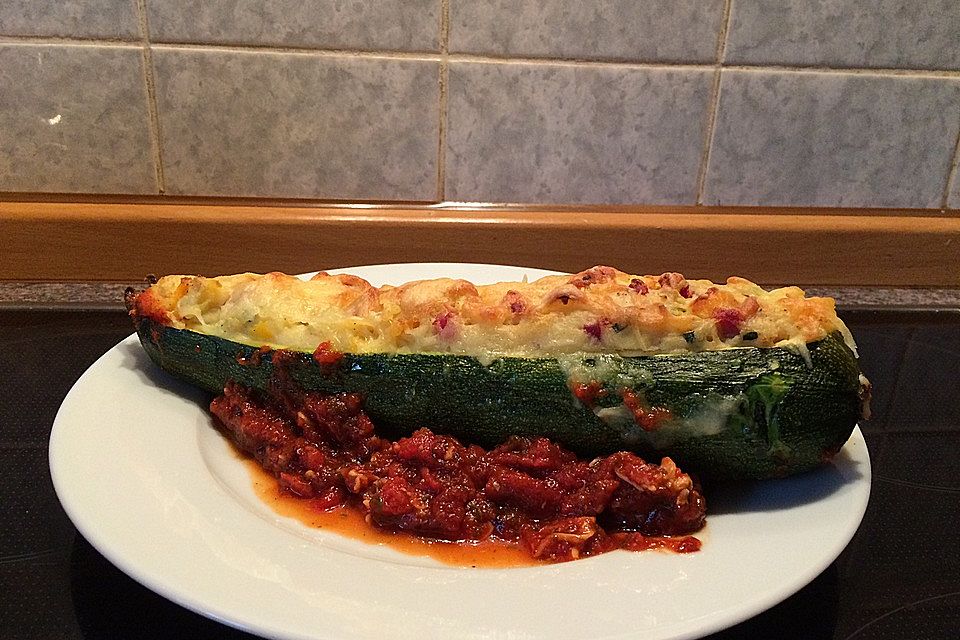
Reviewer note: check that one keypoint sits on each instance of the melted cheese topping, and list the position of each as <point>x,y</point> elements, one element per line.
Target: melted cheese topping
<point>597,310</point>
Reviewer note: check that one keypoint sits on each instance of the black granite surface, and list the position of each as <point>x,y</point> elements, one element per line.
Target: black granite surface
<point>898,579</point>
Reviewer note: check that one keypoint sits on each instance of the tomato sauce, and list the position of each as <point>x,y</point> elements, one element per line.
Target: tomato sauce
<point>350,523</point>
<point>529,493</point>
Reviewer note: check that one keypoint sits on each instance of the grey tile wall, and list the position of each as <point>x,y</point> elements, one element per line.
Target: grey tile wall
<point>832,139</point>
<point>914,34</point>
<point>69,18</point>
<point>561,133</point>
<point>297,125</point>
<point>653,30</point>
<point>623,102</point>
<point>64,129</point>
<point>403,25</point>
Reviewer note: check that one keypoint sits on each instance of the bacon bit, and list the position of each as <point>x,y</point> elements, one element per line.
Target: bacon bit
<point>593,276</point>
<point>589,392</point>
<point>324,356</point>
<point>672,279</point>
<point>649,418</point>
<point>515,301</point>
<point>446,329</point>
<point>595,329</point>
<point>639,286</point>
<point>676,281</point>
<point>728,322</point>
<point>749,307</point>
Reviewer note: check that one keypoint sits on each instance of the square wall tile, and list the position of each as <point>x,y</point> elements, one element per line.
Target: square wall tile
<point>832,139</point>
<point>70,18</point>
<point>297,125</point>
<point>544,133</point>
<point>652,30</point>
<point>74,119</point>
<point>846,33</point>
<point>398,25</point>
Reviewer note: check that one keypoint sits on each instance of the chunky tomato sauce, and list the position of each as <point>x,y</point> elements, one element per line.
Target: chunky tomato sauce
<point>528,492</point>
<point>350,523</point>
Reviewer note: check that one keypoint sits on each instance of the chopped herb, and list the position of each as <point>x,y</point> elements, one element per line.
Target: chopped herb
<point>768,392</point>
<point>617,327</point>
<point>690,337</point>
<point>751,335</point>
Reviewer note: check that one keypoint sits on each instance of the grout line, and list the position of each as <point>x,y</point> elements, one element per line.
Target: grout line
<point>430,56</point>
<point>724,32</point>
<point>580,62</point>
<point>714,108</point>
<point>152,109</point>
<point>853,71</point>
<point>480,58</point>
<point>442,107</point>
<point>951,174</point>
<point>78,42</point>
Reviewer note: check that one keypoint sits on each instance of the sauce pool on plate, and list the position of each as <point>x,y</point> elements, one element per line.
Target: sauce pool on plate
<point>349,522</point>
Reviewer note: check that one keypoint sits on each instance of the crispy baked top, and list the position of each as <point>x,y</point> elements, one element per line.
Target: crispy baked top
<point>597,310</point>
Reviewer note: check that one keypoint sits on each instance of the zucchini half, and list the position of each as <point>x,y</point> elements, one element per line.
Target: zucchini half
<point>739,413</point>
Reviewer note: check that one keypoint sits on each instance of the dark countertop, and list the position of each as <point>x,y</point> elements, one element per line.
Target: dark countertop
<point>898,578</point>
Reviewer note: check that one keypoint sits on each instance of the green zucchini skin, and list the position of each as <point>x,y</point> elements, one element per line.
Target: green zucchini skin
<point>741,413</point>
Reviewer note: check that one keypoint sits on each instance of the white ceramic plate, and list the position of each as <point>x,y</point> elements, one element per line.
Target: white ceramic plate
<point>157,491</point>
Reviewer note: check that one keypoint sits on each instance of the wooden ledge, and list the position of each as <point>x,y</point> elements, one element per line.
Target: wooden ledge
<point>125,241</point>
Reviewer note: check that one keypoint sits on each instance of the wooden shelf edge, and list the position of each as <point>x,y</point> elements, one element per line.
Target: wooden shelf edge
<point>60,241</point>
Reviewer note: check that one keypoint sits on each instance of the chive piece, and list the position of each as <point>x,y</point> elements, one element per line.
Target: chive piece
<point>617,327</point>
<point>690,336</point>
<point>751,335</point>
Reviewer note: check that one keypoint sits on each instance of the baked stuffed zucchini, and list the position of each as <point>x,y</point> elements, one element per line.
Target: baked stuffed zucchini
<point>729,380</point>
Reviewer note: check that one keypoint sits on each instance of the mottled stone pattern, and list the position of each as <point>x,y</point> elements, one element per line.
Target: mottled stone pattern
<point>297,125</point>
<point>832,139</point>
<point>922,34</point>
<point>74,119</point>
<point>555,101</point>
<point>403,25</point>
<point>648,30</point>
<point>69,18</point>
<point>560,133</point>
